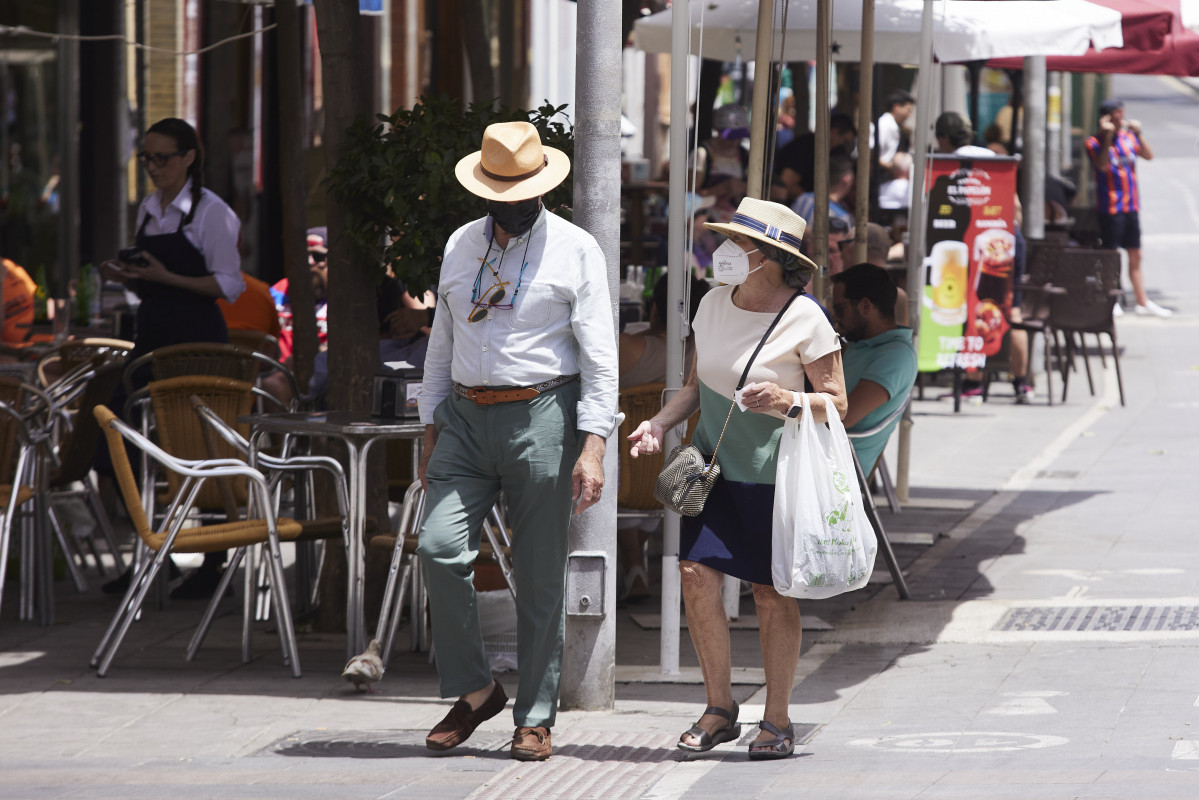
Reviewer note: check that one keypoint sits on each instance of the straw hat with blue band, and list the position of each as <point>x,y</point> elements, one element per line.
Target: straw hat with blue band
<point>771,223</point>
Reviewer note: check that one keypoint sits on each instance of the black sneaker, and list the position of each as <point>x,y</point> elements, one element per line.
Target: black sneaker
<point>199,584</point>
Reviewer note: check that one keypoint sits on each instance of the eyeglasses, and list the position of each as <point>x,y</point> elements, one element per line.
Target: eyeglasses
<point>158,159</point>
<point>318,258</point>
<point>495,293</point>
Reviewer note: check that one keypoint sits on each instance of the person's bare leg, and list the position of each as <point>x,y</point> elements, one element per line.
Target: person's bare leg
<point>477,697</point>
<point>781,635</point>
<point>1018,347</point>
<point>709,629</point>
<point>1136,277</point>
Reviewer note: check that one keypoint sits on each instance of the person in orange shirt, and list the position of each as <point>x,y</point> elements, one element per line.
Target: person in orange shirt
<point>19,291</point>
<point>254,310</point>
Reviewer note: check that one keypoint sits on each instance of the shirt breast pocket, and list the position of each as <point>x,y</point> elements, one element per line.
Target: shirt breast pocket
<point>536,306</point>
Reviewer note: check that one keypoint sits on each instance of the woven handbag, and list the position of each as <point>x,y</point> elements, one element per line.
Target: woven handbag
<point>687,479</point>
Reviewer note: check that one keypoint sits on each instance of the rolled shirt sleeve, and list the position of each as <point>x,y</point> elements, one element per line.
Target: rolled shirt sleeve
<point>595,334</point>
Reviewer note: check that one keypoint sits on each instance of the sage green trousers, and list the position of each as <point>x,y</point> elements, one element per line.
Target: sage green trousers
<point>527,450</point>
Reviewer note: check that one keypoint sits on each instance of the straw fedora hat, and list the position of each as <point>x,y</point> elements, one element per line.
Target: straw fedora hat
<point>772,223</point>
<point>512,165</point>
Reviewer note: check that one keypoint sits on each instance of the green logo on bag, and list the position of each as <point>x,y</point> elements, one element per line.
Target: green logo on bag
<point>840,482</point>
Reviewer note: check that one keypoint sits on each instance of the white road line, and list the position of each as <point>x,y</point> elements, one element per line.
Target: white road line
<point>1186,750</point>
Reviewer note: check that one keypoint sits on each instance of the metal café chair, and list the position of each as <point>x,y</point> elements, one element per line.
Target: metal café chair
<point>276,470</point>
<point>404,575</point>
<point>880,532</point>
<point>173,537</point>
<point>1090,283</point>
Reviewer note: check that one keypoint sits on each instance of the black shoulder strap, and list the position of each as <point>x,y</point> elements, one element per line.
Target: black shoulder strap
<point>765,336</point>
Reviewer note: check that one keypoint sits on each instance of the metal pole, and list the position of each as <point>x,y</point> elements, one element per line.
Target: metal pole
<point>757,181</point>
<point>1034,147</point>
<point>824,34</point>
<point>675,323</point>
<point>589,657</point>
<point>1053,126</point>
<point>865,105</point>
<point>924,112</point>
<point>1067,144</point>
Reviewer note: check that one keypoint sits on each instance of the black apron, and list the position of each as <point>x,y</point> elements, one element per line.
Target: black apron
<point>168,314</point>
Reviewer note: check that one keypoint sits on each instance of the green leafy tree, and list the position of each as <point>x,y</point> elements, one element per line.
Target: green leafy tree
<point>396,180</point>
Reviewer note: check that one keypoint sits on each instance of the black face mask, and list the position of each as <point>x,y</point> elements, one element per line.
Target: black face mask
<point>515,218</point>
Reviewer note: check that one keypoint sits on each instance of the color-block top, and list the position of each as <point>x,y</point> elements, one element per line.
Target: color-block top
<point>725,337</point>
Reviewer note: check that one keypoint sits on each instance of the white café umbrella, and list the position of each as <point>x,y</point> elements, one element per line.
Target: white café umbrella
<point>963,30</point>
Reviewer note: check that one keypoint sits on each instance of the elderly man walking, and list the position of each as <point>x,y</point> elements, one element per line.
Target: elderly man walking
<point>519,396</point>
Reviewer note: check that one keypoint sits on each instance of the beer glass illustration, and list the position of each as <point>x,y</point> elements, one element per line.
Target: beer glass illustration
<point>947,269</point>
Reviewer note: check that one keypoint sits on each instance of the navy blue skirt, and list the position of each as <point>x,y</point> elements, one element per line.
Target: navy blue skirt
<point>733,533</point>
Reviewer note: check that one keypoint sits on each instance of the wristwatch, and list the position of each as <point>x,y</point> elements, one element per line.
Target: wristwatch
<point>796,405</point>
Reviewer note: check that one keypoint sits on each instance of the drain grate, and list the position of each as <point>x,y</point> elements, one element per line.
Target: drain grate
<point>1100,618</point>
<point>374,744</point>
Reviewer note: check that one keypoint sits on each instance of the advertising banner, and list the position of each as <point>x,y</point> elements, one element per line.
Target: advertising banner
<point>968,266</point>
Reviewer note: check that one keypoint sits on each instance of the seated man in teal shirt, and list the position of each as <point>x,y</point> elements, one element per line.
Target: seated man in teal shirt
<point>879,361</point>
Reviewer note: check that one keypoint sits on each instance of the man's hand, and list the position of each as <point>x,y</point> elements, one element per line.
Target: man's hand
<point>588,476</point>
<point>426,454</point>
<point>1133,125</point>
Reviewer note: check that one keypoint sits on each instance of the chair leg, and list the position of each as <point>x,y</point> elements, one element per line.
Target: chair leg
<point>6,538</point>
<point>68,553</point>
<point>92,498</point>
<point>1086,360</point>
<point>397,609</point>
<point>884,544</point>
<point>247,606</point>
<point>884,477</point>
<point>1099,348</point>
<point>201,633</point>
<point>1067,365</point>
<point>287,631</point>
<point>134,597</point>
<point>1048,369</point>
<point>1116,358</point>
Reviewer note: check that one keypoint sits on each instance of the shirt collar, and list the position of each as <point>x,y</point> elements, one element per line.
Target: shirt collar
<point>182,202</point>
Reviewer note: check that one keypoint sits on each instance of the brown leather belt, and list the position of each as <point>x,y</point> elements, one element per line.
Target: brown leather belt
<point>486,396</point>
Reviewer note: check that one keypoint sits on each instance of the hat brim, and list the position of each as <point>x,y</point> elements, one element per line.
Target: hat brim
<point>469,172</point>
<point>732,227</point>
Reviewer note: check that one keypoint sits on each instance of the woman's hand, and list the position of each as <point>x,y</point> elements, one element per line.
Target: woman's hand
<point>647,439</point>
<point>113,270</point>
<point>763,397</point>
<point>152,270</point>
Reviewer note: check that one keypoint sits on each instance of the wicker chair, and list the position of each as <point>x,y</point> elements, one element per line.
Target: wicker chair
<point>192,476</point>
<point>1090,284</point>
<point>208,358</point>
<point>71,354</point>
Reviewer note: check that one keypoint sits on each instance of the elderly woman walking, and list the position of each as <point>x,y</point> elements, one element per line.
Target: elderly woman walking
<point>764,274</point>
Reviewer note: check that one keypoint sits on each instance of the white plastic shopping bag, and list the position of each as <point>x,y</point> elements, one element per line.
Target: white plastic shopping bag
<point>823,542</point>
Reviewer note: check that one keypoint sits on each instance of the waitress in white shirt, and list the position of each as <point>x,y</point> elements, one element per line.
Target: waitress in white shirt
<point>187,242</point>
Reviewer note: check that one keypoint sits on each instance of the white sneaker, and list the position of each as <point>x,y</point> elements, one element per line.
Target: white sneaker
<point>1152,309</point>
<point>1117,311</point>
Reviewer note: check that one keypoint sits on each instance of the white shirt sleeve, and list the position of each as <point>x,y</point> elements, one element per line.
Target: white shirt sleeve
<point>594,331</point>
<point>437,381</point>
<point>219,232</point>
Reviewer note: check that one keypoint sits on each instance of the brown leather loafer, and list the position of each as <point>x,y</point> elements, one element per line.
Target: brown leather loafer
<point>461,722</point>
<point>531,744</point>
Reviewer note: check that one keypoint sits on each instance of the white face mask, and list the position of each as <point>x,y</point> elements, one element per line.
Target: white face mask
<point>730,263</point>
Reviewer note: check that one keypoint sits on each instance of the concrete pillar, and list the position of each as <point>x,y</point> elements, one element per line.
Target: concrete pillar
<point>589,661</point>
